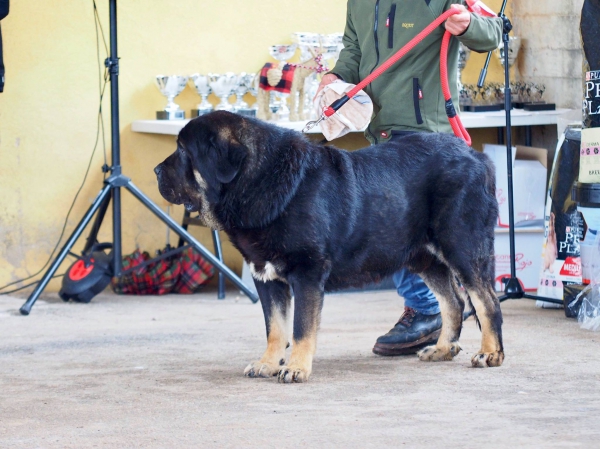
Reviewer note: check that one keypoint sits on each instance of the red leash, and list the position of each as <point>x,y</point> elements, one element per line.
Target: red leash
<point>453,118</point>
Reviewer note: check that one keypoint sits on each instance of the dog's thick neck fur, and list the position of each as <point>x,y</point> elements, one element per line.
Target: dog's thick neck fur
<point>289,161</point>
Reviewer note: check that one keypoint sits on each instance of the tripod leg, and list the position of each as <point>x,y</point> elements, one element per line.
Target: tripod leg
<point>219,255</point>
<point>93,236</point>
<point>191,240</point>
<point>26,308</point>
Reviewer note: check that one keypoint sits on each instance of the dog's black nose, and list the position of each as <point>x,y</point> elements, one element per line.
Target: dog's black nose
<point>157,169</point>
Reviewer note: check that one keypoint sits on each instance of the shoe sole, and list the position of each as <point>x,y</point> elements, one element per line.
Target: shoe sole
<point>406,348</point>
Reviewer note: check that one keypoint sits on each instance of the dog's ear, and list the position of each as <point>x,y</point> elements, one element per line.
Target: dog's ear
<point>230,156</point>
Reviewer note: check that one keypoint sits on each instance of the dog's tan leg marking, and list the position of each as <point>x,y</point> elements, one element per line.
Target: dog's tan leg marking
<point>489,315</point>
<point>274,356</point>
<point>440,280</point>
<point>300,365</point>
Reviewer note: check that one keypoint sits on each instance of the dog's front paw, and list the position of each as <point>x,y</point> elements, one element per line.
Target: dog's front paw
<point>487,359</point>
<point>289,374</point>
<point>436,353</point>
<point>262,369</point>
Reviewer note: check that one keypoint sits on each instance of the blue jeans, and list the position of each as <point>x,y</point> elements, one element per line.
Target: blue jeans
<point>415,292</point>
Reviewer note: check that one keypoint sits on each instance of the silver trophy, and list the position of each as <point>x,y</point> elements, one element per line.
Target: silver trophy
<point>204,90</point>
<point>282,53</point>
<point>223,86</point>
<point>332,46</point>
<point>463,56</point>
<point>245,81</point>
<point>514,44</point>
<point>170,87</point>
<point>306,42</point>
<point>253,90</point>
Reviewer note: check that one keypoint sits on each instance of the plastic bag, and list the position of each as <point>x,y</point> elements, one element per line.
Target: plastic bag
<point>587,303</point>
<point>589,308</point>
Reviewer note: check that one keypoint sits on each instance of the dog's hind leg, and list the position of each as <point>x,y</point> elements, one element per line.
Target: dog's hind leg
<point>275,299</point>
<point>488,311</point>
<point>440,280</point>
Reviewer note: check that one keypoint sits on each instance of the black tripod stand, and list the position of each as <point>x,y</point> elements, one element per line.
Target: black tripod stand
<point>112,191</point>
<point>512,286</point>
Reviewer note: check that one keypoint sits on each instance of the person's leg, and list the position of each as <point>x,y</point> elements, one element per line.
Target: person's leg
<point>415,292</point>
<point>421,322</point>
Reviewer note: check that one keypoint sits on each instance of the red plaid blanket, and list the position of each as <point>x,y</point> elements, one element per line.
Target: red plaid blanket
<point>284,85</point>
<point>185,272</point>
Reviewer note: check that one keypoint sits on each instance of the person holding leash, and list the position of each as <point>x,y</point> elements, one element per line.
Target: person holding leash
<point>408,98</point>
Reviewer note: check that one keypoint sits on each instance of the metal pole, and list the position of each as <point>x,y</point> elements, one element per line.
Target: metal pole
<point>113,66</point>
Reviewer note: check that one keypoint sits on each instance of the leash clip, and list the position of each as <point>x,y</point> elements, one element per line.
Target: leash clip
<point>310,125</point>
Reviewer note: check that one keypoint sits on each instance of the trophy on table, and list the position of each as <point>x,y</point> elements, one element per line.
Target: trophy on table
<point>244,84</point>
<point>204,90</point>
<point>463,56</point>
<point>253,90</point>
<point>170,87</point>
<point>309,45</point>
<point>514,45</point>
<point>223,86</point>
<point>332,46</point>
<point>282,53</point>
<point>306,42</point>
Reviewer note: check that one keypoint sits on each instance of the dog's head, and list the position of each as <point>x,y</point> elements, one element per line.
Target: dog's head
<point>234,170</point>
<point>208,156</point>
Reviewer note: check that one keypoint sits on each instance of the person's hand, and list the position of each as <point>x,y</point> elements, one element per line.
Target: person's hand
<point>458,23</point>
<point>327,79</point>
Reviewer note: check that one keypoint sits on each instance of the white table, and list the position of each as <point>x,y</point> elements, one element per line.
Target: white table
<point>494,119</point>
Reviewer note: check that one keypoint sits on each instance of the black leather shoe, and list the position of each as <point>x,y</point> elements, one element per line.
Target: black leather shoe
<point>412,332</point>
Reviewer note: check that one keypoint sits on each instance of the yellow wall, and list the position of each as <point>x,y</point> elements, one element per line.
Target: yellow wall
<point>48,111</point>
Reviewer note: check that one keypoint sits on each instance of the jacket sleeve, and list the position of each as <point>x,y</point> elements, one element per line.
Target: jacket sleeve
<point>348,63</point>
<point>484,33</point>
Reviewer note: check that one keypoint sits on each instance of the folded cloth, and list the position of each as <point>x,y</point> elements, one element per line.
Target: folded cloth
<point>355,115</point>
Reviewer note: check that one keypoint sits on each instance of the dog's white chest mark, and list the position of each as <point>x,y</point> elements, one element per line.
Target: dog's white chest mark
<point>268,273</point>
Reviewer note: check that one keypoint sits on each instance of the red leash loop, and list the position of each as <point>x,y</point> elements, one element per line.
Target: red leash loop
<point>455,123</point>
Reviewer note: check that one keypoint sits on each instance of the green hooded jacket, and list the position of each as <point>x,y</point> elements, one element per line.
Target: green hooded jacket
<point>408,96</point>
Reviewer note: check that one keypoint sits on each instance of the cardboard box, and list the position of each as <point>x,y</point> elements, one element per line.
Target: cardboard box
<point>529,183</point>
<point>528,251</point>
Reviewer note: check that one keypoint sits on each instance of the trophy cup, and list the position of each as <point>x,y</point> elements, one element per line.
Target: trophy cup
<point>245,81</point>
<point>282,53</point>
<point>309,44</point>
<point>253,90</point>
<point>204,90</point>
<point>223,86</point>
<point>514,45</point>
<point>463,56</point>
<point>305,42</point>
<point>535,102</point>
<point>332,46</point>
<point>170,87</point>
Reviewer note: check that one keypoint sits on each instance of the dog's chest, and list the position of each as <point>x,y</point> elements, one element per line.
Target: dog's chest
<point>260,267</point>
<point>265,272</point>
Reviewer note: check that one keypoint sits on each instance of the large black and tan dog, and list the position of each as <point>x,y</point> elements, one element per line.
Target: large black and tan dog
<point>309,219</point>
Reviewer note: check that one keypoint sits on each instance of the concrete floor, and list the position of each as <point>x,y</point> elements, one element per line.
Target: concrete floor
<point>166,372</point>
